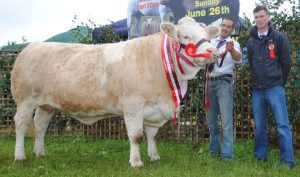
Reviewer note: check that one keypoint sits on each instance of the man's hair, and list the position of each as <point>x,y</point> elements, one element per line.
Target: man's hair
<point>261,7</point>
<point>228,18</point>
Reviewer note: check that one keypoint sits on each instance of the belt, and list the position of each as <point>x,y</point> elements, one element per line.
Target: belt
<point>220,77</point>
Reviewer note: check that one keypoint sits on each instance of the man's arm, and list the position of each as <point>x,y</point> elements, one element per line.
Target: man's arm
<point>285,58</point>
<point>236,55</point>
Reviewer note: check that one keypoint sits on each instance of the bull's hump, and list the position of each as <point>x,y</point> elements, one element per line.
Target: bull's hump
<point>114,52</point>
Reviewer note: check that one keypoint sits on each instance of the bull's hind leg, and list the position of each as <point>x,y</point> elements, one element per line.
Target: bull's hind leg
<point>134,127</point>
<point>42,118</point>
<point>22,119</point>
<point>152,150</point>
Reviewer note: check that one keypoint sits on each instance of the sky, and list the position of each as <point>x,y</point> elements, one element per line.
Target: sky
<point>38,20</point>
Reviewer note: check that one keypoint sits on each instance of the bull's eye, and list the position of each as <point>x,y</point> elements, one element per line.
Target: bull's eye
<point>185,37</point>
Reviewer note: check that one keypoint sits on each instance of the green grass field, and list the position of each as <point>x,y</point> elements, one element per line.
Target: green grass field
<point>80,156</point>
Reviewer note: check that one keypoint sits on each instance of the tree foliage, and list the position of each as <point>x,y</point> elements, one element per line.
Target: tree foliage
<point>108,35</point>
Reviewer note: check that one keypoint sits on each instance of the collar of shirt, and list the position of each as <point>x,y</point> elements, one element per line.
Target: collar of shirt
<point>218,39</point>
<point>227,39</point>
<point>265,33</point>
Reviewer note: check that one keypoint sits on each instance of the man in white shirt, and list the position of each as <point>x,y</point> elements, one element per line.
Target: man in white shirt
<point>220,91</point>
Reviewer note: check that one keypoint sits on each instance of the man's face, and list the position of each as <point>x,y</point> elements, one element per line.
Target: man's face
<point>226,28</point>
<point>261,19</point>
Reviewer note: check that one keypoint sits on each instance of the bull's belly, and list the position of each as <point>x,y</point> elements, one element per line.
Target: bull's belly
<point>91,117</point>
<point>155,115</point>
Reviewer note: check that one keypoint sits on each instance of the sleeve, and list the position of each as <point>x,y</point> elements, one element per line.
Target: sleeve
<point>249,52</point>
<point>285,57</point>
<point>237,47</point>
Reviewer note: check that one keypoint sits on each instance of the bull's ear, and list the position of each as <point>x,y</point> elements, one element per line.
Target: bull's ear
<point>212,31</point>
<point>169,29</point>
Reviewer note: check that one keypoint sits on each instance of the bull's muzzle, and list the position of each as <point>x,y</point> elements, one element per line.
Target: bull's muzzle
<point>191,48</point>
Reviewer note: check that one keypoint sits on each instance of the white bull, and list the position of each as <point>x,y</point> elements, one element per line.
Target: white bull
<point>93,82</point>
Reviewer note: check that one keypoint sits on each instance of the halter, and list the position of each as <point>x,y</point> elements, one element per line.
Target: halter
<point>190,50</point>
<point>197,44</point>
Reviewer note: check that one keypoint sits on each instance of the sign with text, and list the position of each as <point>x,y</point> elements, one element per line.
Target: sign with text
<point>145,16</point>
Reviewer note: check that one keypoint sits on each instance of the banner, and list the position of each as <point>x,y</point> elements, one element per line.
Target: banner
<point>144,16</point>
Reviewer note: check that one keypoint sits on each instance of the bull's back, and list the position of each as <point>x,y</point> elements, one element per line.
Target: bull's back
<point>83,77</point>
<point>62,73</point>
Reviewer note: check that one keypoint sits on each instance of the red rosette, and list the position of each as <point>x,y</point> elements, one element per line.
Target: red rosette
<point>272,52</point>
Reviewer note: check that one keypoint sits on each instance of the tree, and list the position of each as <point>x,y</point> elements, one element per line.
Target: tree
<point>108,35</point>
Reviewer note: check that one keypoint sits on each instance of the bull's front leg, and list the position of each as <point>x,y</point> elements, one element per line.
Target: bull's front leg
<point>152,150</point>
<point>134,125</point>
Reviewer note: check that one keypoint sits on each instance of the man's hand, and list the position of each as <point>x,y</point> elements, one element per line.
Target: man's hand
<point>229,46</point>
<point>236,55</point>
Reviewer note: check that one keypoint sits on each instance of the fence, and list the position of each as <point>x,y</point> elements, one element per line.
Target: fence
<point>192,125</point>
<point>7,106</point>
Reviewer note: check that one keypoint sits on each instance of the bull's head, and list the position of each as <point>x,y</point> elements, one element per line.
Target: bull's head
<point>194,39</point>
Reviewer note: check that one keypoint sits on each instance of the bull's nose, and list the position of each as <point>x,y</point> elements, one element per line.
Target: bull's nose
<point>215,55</point>
<point>213,50</point>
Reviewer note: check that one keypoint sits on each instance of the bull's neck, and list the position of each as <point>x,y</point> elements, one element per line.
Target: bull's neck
<point>189,71</point>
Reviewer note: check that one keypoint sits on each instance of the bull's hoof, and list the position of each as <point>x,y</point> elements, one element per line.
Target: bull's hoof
<point>39,155</point>
<point>20,157</point>
<point>154,158</point>
<point>39,152</point>
<point>136,164</point>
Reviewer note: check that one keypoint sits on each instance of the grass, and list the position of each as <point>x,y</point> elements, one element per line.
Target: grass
<point>81,156</point>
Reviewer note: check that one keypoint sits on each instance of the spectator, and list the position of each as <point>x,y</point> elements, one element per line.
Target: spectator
<point>270,64</point>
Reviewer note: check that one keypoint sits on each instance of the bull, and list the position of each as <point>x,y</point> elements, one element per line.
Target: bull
<point>93,82</point>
